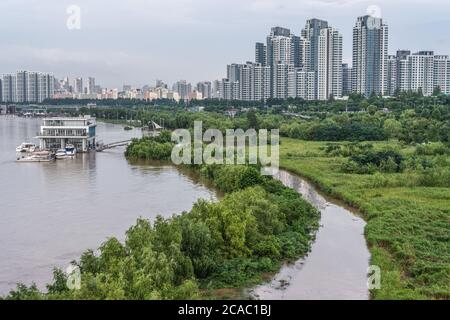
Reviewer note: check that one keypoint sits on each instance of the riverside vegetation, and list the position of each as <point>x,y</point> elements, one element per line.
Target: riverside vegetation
<point>212,251</point>
<point>393,166</point>
<point>387,157</point>
<point>403,191</point>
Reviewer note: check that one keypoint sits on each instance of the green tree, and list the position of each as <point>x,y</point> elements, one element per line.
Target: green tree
<point>392,128</point>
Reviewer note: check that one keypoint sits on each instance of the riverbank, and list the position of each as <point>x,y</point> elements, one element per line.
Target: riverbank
<point>336,267</point>
<point>213,251</point>
<point>131,123</point>
<point>407,225</point>
<point>52,212</point>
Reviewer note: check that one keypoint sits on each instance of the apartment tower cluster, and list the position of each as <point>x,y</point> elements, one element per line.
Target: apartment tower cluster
<point>310,66</point>
<point>26,86</point>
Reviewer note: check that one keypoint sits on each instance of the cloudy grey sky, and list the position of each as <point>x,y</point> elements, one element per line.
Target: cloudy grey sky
<point>139,41</point>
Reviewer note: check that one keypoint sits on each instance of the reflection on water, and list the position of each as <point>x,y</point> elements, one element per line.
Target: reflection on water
<point>51,212</point>
<point>336,267</point>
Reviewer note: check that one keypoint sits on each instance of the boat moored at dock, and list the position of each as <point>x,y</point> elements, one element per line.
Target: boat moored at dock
<point>61,154</point>
<point>36,156</point>
<point>26,147</point>
<point>71,151</point>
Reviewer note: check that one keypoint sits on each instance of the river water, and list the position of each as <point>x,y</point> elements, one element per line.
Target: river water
<point>336,267</point>
<point>52,212</point>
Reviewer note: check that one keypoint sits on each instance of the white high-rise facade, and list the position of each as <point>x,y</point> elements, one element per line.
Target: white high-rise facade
<point>418,72</point>
<point>421,72</point>
<point>261,82</point>
<point>27,87</point>
<point>9,88</point>
<point>301,84</point>
<point>280,80</point>
<point>329,75</point>
<point>442,73</point>
<point>280,58</point>
<point>246,82</point>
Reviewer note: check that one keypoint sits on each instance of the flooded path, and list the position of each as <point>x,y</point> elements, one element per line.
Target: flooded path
<point>336,267</point>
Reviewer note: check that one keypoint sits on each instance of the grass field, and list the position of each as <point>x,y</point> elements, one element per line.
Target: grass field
<point>408,226</point>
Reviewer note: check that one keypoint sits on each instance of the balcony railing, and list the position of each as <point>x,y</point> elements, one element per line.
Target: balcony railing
<point>66,134</point>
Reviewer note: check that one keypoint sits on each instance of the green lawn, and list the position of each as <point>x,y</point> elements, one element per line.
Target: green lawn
<point>408,228</point>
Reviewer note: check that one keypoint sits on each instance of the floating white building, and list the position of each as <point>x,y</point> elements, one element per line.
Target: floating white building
<point>56,132</point>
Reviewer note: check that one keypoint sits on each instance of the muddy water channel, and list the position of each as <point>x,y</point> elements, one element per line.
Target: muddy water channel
<point>336,267</point>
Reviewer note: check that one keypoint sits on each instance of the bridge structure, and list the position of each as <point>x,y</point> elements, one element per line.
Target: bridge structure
<point>101,146</point>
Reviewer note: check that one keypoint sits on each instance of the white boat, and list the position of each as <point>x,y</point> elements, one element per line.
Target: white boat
<point>71,151</point>
<point>61,154</point>
<point>38,156</point>
<point>26,147</point>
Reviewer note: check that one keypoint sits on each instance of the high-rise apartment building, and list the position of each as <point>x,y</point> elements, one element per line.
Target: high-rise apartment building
<point>246,82</point>
<point>301,85</point>
<point>183,88</point>
<point>46,86</point>
<point>280,58</point>
<point>346,79</point>
<point>280,80</point>
<point>421,72</point>
<point>311,33</point>
<point>9,88</point>
<point>261,53</point>
<point>442,73</point>
<point>233,72</point>
<point>261,82</point>
<point>205,88</point>
<point>392,75</point>
<point>402,70</point>
<point>27,87</point>
<point>90,85</point>
<point>418,72</point>
<point>78,85</point>
<point>370,54</point>
<point>229,90</point>
<point>329,73</point>
<point>21,87</point>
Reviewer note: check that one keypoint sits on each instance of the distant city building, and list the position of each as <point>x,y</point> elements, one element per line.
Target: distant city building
<point>229,90</point>
<point>346,80</point>
<point>261,77</point>
<point>233,72</point>
<point>261,53</point>
<point>9,88</point>
<point>216,89</point>
<point>442,73</point>
<point>329,74</point>
<point>370,55</point>
<point>311,33</point>
<point>205,88</point>
<point>90,87</point>
<point>183,89</point>
<point>391,75</point>
<point>418,72</point>
<point>27,87</point>
<point>421,72</point>
<point>301,84</point>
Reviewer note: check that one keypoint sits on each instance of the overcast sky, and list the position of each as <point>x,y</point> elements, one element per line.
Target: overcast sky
<point>138,41</point>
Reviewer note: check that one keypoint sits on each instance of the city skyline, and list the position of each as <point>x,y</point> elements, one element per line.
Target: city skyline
<point>154,47</point>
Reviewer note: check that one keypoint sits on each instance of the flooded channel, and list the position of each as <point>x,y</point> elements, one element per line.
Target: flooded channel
<point>336,267</point>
